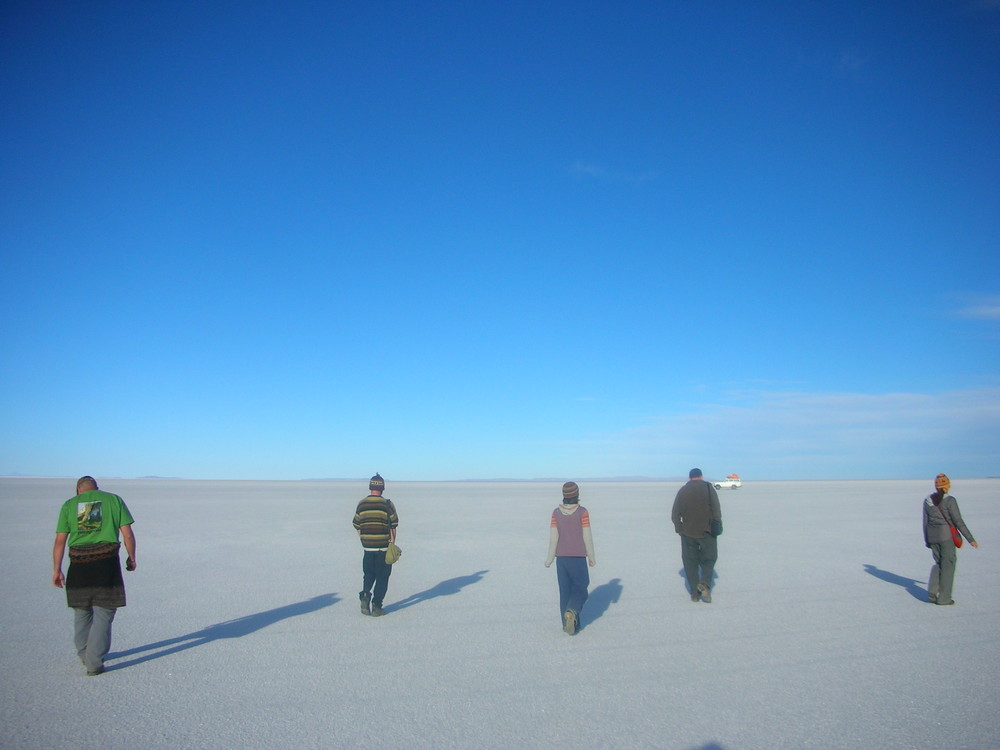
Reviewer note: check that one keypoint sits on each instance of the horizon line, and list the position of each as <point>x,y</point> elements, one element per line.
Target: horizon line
<point>621,479</point>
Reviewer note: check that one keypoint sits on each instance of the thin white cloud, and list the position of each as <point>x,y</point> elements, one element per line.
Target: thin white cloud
<point>797,435</point>
<point>850,61</point>
<point>581,169</point>
<point>988,309</point>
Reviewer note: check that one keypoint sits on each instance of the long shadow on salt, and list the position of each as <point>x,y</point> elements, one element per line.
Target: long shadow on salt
<point>600,601</point>
<point>915,588</point>
<point>445,588</point>
<point>237,628</point>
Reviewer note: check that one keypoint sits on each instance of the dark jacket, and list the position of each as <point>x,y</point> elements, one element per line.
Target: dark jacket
<point>695,507</point>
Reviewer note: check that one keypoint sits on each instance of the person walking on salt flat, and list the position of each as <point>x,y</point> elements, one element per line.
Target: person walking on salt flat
<point>375,520</point>
<point>697,518</point>
<point>91,524</point>
<point>941,520</point>
<point>571,545</point>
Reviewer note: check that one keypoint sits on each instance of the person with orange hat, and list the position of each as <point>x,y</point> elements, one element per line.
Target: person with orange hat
<point>941,519</point>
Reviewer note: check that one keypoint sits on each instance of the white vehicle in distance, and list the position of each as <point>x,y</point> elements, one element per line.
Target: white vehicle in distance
<point>732,482</point>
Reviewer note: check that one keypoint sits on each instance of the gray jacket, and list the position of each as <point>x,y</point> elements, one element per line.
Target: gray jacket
<point>938,517</point>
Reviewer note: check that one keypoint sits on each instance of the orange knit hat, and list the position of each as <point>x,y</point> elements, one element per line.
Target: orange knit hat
<point>941,482</point>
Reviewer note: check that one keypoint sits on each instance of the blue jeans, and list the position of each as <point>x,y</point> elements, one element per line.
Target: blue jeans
<point>376,571</point>
<point>574,580</point>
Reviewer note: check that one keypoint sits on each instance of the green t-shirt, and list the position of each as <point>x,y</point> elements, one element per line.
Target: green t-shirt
<point>93,517</point>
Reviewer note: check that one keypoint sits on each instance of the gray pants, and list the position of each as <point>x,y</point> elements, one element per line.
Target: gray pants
<point>93,635</point>
<point>943,572</point>
<point>699,556</point>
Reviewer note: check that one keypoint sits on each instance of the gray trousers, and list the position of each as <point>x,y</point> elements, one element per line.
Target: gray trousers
<point>699,556</point>
<point>93,635</point>
<point>943,571</point>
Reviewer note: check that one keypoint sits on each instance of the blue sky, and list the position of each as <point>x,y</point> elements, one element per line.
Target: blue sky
<point>475,240</point>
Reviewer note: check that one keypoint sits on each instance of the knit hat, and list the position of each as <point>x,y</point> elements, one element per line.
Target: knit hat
<point>376,483</point>
<point>571,491</point>
<point>694,473</point>
<point>941,482</point>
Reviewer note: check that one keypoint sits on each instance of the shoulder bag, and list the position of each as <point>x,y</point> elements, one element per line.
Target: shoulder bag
<point>392,552</point>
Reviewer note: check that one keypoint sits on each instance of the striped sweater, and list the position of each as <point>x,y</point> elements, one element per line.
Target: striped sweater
<point>375,520</point>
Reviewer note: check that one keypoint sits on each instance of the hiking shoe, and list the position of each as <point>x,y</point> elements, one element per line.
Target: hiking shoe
<point>706,593</point>
<point>696,597</point>
<point>950,601</point>
<point>366,601</point>
<point>932,598</point>
<point>95,672</point>
<point>377,610</point>
<point>569,622</point>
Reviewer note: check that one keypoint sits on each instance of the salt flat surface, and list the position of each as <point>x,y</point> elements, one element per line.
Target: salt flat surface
<point>243,628</point>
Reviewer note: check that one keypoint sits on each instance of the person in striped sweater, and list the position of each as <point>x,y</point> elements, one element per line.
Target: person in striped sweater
<point>571,545</point>
<point>375,520</point>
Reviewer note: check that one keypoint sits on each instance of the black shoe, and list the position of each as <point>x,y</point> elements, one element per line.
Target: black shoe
<point>366,600</point>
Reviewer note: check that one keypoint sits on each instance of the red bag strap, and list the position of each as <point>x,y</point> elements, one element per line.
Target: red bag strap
<point>938,506</point>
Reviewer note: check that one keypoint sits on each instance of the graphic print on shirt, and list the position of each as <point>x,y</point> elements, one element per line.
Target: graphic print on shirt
<point>88,516</point>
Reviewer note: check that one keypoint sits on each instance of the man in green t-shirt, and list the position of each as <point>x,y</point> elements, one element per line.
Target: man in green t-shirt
<point>90,524</point>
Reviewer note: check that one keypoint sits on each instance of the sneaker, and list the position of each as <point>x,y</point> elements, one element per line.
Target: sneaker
<point>706,593</point>
<point>366,600</point>
<point>932,598</point>
<point>377,610</point>
<point>95,672</point>
<point>569,622</point>
<point>950,601</point>
<point>696,597</point>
